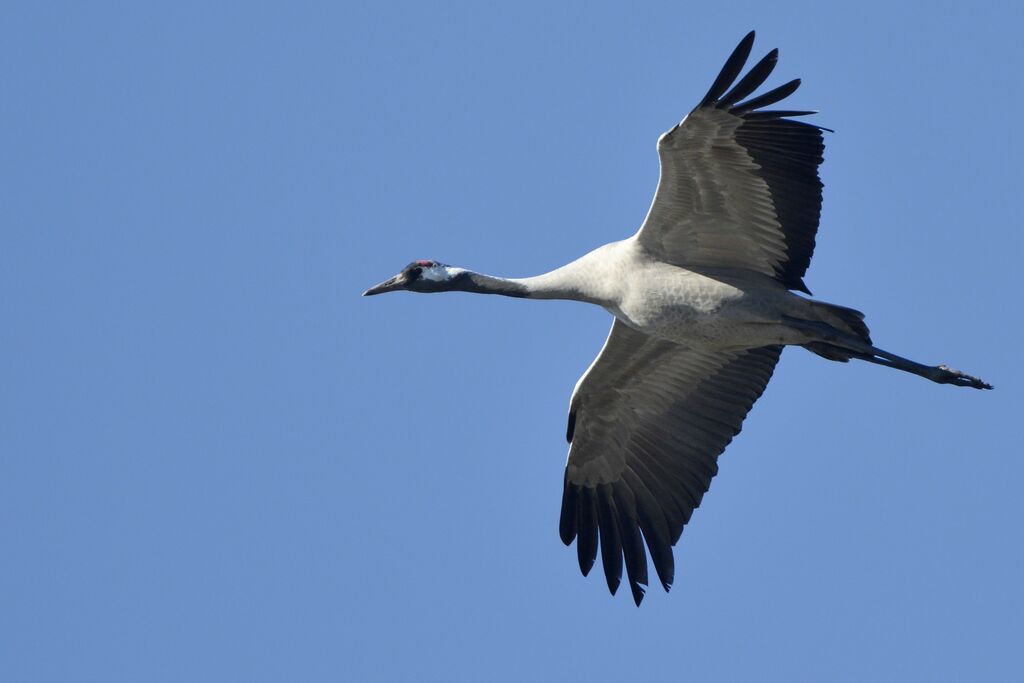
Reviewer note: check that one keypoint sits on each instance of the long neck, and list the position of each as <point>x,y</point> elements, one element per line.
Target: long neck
<point>478,283</point>
<point>562,283</point>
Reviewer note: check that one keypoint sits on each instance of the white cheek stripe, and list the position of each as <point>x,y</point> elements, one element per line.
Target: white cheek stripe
<point>440,273</point>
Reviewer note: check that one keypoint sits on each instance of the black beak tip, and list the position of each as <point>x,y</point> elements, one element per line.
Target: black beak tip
<point>387,286</point>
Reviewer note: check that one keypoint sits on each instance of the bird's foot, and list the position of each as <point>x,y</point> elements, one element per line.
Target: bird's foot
<point>947,375</point>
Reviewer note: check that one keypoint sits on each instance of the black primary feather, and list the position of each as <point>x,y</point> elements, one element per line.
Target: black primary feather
<point>770,97</point>
<point>752,81</point>
<point>733,67</point>
<point>586,529</point>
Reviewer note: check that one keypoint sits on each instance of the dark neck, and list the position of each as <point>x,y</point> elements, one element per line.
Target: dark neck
<point>479,283</point>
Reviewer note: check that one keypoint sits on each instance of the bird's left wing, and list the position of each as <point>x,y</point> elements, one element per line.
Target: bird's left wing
<point>739,185</point>
<point>647,422</point>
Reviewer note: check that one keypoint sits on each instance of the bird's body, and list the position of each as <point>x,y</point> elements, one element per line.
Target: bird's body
<point>703,302</point>
<point>703,311</point>
<point>714,309</point>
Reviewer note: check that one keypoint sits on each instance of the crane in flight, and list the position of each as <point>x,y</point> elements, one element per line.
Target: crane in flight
<point>703,302</point>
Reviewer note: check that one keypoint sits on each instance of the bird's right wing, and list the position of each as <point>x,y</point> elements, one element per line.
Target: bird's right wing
<point>647,422</point>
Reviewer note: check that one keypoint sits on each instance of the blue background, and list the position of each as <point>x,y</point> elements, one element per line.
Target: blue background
<point>219,463</point>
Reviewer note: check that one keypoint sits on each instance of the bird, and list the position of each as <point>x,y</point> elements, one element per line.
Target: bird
<point>704,297</point>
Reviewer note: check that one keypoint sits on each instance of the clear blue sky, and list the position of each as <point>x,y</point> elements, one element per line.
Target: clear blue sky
<point>219,463</point>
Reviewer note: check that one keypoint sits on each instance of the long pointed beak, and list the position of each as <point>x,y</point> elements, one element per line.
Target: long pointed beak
<point>389,285</point>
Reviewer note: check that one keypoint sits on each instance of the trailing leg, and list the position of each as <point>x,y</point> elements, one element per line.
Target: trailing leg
<point>839,346</point>
<point>941,374</point>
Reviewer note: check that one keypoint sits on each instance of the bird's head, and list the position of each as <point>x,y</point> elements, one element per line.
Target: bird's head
<point>420,276</point>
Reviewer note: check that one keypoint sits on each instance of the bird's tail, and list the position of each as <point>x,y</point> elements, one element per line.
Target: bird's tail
<point>848,321</point>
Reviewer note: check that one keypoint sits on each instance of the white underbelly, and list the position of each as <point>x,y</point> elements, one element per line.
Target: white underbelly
<point>697,329</point>
<point>700,312</point>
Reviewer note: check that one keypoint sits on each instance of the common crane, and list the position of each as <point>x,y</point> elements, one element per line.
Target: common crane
<point>702,304</point>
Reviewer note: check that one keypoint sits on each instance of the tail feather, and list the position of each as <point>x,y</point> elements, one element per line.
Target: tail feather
<point>841,319</point>
<point>830,351</point>
<point>844,319</point>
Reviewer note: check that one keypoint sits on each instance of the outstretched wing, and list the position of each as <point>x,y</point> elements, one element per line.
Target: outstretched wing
<point>739,185</point>
<point>647,422</point>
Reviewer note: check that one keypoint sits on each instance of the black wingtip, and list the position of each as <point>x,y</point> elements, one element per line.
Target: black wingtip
<point>733,67</point>
<point>770,97</point>
<point>752,81</point>
<point>639,591</point>
<point>586,529</point>
<point>567,518</point>
<point>773,114</point>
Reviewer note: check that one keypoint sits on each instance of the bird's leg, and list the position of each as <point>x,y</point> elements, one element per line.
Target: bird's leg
<point>939,374</point>
<point>942,374</point>
<point>852,347</point>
